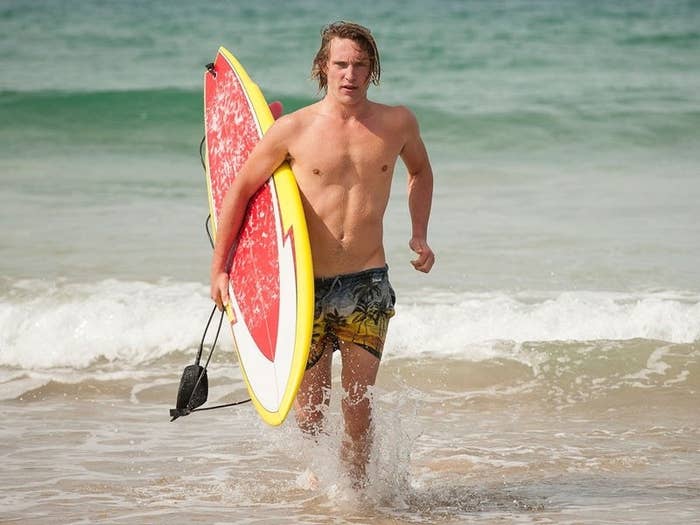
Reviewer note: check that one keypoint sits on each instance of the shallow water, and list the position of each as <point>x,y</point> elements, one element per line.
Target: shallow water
<point>546,371</point>
<point>575,435</point>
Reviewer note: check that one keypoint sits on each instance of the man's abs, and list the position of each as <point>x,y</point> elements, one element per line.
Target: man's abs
<point>344,241</point>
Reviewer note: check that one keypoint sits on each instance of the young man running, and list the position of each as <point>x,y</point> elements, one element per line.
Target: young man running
<point>343,150</point>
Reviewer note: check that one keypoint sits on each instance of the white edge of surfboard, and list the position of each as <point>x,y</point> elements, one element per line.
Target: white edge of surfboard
<point>257,367</point>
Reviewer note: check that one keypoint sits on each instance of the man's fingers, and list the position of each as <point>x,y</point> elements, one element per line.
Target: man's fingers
<point>224,296</point>
<point>425,261</point>
<point>219,291</point>
<point>217,300</point>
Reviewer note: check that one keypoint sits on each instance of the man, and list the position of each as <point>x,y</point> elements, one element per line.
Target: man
<point>342,150</point>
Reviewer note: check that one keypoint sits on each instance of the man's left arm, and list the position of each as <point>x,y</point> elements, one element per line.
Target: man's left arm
<point>420,193</point>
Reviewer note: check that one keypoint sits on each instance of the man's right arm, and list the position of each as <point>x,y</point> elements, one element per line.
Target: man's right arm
<point>267,155</point>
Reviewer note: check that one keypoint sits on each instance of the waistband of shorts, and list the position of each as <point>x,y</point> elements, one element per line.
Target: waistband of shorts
<point>383,270</point>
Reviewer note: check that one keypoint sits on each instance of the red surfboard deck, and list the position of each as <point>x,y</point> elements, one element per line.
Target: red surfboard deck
<point>271,278</point>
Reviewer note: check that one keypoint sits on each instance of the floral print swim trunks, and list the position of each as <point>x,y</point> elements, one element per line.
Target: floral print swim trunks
<point>354,308</point>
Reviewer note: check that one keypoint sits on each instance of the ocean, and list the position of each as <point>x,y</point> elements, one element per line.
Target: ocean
<point>546,371</point>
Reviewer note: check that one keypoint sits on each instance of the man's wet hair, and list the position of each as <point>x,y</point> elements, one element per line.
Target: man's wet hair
<point>358,34</point>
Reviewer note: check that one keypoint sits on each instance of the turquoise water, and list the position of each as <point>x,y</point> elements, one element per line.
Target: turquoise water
<point>562,320</point>
<point>485,79</point>
<point>573,128</point>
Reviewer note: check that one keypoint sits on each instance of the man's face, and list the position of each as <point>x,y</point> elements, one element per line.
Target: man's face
<point>347,71</point>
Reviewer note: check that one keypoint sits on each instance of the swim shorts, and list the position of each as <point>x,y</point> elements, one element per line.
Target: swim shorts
<point>354,308</point>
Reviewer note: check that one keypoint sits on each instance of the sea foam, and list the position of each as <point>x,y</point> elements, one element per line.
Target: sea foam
<point>59,324</point>
<point>460,324</point>
<point>63,324</point>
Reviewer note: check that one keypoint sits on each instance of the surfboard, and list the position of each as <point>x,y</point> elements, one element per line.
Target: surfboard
<point>271,276</point>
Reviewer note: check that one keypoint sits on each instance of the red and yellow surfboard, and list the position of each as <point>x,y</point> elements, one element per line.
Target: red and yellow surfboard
<point>272,289</point>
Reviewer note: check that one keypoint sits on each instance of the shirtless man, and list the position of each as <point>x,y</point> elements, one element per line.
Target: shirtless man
<point>342,150</point>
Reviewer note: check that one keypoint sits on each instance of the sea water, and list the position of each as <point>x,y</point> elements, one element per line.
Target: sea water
<point>546,370</point>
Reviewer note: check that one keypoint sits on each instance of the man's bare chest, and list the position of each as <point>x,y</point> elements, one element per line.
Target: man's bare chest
<point>346,150</point>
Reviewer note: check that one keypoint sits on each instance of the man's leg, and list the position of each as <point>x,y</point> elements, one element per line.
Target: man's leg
<point>358,374</point>
<point>314,394</point>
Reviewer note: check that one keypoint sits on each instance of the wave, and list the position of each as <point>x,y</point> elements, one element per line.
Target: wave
<point>170,121</point>
<point>550,128</point>
<point>154,120</point>
<point>679,40</point>
<point>46,324</point>
<point>467,325</point>
<point>63,324</point>
<point>163,119</point>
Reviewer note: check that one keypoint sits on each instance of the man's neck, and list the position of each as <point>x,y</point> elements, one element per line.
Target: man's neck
<point>355,111</point>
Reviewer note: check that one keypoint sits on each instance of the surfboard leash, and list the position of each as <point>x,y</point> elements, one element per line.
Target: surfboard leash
<point>207,223</point>
<point>206,365</point>
<point>197,395</point>
<point>194,384</point>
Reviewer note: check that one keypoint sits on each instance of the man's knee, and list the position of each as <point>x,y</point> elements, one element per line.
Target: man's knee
<point>357,412</point>
<point>356,393</point>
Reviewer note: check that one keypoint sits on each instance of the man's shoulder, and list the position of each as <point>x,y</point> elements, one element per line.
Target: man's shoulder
<point>395,116</point>
<point>394,112</point>
<point>299,117</point>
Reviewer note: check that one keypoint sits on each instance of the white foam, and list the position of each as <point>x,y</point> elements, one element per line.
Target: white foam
<point>467,325</point>
<point>61,324</point>
<point>46,325</point>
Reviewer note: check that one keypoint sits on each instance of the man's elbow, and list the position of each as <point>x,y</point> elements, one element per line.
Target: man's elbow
<point>422,172</point>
